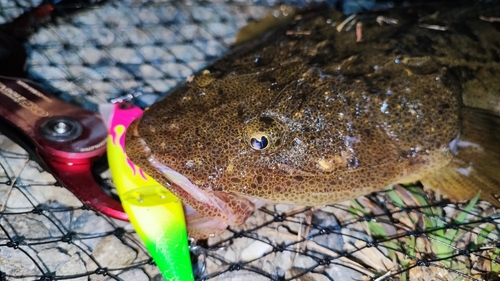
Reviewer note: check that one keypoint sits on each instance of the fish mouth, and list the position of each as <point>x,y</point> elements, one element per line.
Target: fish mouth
<point>205,197</point>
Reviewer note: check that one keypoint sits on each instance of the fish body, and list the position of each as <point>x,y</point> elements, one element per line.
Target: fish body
<point>311,114</point>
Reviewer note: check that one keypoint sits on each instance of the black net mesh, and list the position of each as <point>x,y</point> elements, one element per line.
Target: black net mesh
<point>111,50</point>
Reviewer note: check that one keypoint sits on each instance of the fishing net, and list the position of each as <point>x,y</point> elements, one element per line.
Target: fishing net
<point>139,50</point>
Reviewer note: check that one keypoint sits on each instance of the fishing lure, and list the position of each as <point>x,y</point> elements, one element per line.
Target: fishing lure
<point>155,212</point>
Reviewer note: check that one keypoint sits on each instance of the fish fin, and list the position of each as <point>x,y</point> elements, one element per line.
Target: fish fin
<point>475,166</point>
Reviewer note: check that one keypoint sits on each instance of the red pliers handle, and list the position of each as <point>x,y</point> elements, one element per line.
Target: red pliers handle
<point>66,140</point>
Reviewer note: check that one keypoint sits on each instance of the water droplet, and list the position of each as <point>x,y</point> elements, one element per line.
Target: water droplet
<point>384,107</point>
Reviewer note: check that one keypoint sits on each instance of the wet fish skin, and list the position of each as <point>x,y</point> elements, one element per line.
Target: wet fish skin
<point>309,115</point>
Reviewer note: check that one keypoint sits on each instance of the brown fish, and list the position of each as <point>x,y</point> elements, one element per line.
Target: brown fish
<point>315,113</point>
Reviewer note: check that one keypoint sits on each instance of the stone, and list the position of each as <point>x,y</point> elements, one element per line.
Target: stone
<point>111,252</point>
<point>255,250</point>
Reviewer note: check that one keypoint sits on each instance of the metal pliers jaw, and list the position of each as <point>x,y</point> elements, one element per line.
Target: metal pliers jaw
<point>64,139</point>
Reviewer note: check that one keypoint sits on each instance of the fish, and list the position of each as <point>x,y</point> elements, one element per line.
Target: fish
<point>324,109</point>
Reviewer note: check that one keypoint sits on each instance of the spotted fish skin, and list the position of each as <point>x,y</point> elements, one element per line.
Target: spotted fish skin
<point>311,115</point>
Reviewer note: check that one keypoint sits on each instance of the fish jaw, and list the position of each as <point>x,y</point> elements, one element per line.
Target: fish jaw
<point>208,212</point>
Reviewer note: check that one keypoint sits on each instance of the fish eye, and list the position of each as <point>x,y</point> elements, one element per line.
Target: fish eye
<point>264,134</point>
<point>261,143</point>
